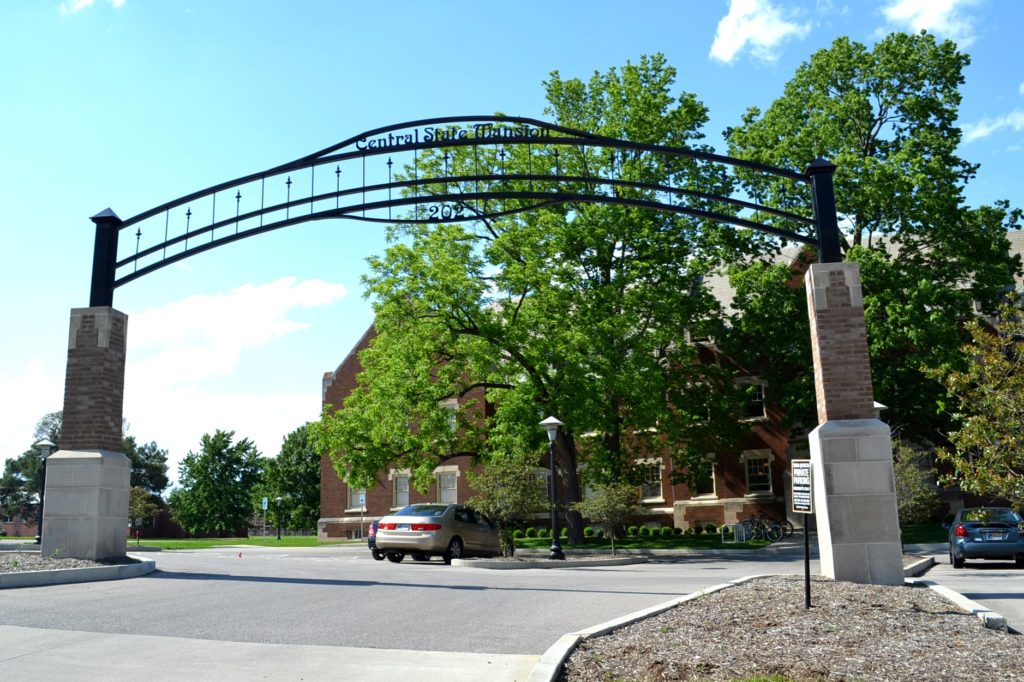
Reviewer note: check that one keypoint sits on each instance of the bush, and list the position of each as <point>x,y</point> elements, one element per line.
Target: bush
<point>531,532</point>
<point>518,534</point>
<point>666,531</point>
<point>676,530</point>
<point>600,533</point>
<point>698,529</point>
<point>631,531</point>
<point>564,533</point>
<point>588,532</point>
<point>688,531</point>
<point>544,533</point>
<point>710,529</point>
<point>727,531</point>
<point>644,531</point>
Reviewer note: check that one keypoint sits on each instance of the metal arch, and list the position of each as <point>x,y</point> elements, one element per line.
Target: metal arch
<point>433,191</point>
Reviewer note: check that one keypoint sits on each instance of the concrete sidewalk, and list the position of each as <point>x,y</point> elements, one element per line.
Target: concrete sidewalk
<point>73,656</point>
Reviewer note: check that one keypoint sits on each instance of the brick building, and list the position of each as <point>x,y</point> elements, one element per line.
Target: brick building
<point>752,480</point>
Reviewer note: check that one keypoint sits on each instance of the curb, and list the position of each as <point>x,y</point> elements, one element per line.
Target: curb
<point>990,619</point>
<point>76,575</point>
<point>918,567</point>
<point>550,664</point>
<point>548,563</point>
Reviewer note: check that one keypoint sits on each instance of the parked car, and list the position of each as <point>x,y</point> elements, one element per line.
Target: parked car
<point>371,541</point>
<point>450,531</point>
<point>986,533</point>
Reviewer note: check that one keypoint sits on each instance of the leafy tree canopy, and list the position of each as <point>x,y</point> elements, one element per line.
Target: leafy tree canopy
<point>987,444</point>
<point>217,483</point>
<point>886,117</point>
<point>294,477</point>
<point>578,311</point>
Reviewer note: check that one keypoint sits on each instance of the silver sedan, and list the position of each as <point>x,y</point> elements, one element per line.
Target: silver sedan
<point>450,531</point>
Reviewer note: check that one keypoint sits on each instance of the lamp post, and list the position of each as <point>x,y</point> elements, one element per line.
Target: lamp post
<point>552,424</point>
<point>277,500</point>
<point>44,448</point>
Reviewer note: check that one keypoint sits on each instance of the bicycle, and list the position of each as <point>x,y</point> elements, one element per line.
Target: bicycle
<point>759,528</point>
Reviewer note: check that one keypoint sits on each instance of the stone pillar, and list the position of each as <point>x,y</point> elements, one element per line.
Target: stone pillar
<point>88,479</point>
<point>851,450</point>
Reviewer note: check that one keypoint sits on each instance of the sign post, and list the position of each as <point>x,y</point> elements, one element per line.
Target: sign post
<point>803,503</point>
<point>264,519</point>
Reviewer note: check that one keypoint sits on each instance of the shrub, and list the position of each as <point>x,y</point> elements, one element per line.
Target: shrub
<point>517,534</point>
<point>688,531</point>
<point>644,531</point>
<point>531,532</point>
<point>666,531</point>
<point>544,533</point>
<point>698,529</point>
<point>676,530</point>
<point>564,533</point>
<point>631,531</point>
<point>588,532</point>
<point>600,533</point>
<point>710,529</point>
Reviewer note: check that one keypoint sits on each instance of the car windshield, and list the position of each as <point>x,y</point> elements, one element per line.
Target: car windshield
<point>422,510</point>
<point>990,516</point>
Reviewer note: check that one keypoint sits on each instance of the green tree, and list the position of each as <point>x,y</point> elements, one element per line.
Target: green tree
<point>916,496</point>
<point>294,476</point>
<point>149,465</point>
<point>610,505</point>
<point>577,311</point>
<point>986,450</point>
<point>216,496</point>
<point>141,505</point>
<point>886,117</point>
<point>508,493</point>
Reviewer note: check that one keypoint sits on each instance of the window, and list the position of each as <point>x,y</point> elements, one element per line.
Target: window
<point>705,487</point>
<point>753,398</point>
<point>543,480</point>
<point>759,472</point>
<point>446,490</point>
<point>452,405</point>
<point>401,491</point>
<point>356,497</point>
<point>650,488</point>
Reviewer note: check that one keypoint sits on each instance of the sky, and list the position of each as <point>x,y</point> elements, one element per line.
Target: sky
<point>125,104</point>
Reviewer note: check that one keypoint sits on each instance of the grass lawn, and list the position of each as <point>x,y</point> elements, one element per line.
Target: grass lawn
<point>269,541</point>
<point>673,542</point>
<point>924,532</point>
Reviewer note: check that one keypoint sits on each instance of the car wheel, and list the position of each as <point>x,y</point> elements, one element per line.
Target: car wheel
<point>454,550</point>
<point>1019,560</point>
<point>420,557</point>
<point>395,557</point>
<point>957,562</point>
<point>377,554</point>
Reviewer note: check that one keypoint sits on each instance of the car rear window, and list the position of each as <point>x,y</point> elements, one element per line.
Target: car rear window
<point>422,510</point>
<point>990,516</point>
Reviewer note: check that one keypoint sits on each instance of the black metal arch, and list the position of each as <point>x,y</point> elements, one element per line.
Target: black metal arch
<point>425,193</point>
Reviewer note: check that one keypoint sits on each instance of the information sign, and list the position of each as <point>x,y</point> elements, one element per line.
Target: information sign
<point>803,497</point>
<point>264,504</point>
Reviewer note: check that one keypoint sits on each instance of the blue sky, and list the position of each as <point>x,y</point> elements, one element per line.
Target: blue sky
<point>129,104</point>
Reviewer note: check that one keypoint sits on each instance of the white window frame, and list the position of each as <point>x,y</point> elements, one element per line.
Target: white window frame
<point>444,473</point>
<point>353,498</point>
<point>397,478</point>
<point>750,456</point>
<point>452,405</point>
<point>713,495</point>
<point>542,477</point>
<point>651,463</point>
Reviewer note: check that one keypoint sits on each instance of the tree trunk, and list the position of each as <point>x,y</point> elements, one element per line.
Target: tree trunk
<point>570,485</point>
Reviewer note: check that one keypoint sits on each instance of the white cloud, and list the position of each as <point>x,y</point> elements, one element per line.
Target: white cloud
<point>73,6</point>
<point>1020,88</point>
<point>756,23</point>
<point>202,337</point>
<point>942,17</point>
<point>24,398</point>
<point>988,126</point>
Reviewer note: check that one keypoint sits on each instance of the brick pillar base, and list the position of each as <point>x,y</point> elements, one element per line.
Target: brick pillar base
<point>87,480</point>
<point>851,451</point>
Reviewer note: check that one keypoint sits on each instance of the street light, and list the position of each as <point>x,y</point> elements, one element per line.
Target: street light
<point>44,448</point>
<point>278,501</point>
<point>552,424</point>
